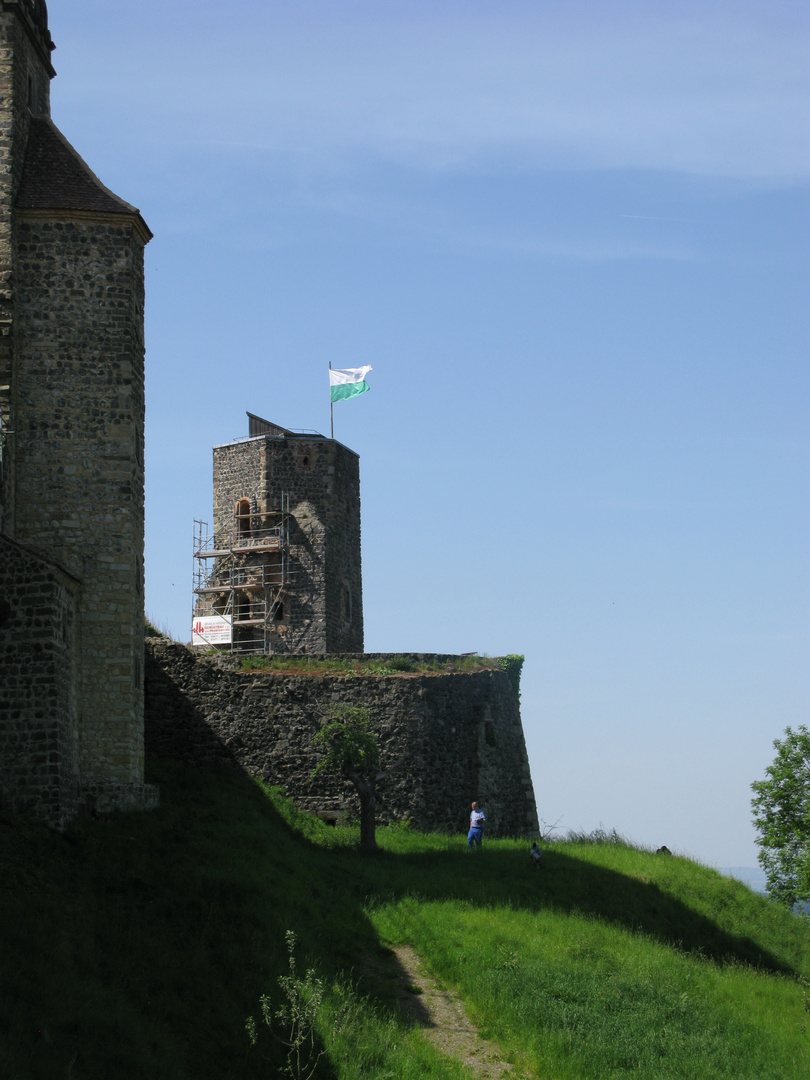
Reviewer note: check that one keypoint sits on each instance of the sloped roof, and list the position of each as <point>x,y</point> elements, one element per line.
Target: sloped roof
<point>54,177</point>
<point>257,425</point>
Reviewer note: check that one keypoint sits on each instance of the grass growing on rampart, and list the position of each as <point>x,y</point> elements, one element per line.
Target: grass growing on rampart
<point>395,664</point>
<point>153,628</point>
<point>138,947</point>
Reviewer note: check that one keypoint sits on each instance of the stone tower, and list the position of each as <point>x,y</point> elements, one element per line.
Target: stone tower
<point>71,477</point>
<point>283,562</point>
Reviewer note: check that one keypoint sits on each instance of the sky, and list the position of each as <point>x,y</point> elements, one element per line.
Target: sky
<point>571,238</point>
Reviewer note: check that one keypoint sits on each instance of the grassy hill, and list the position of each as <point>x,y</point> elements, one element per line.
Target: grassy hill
<point>138,947</point>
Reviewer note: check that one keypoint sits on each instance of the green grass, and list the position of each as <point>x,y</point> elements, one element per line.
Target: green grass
<point>137,948</point>
<point>394,664</point>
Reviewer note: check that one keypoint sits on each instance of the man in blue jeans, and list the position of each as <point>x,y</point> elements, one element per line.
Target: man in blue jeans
<point>477,819</point>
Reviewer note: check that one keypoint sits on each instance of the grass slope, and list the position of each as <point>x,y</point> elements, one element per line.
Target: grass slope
<point>137,948</point>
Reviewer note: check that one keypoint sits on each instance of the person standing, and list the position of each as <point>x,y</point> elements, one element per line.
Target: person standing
<point>477,819</point>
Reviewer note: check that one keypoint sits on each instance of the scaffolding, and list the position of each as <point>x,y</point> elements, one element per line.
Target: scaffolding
<point>241,574</point>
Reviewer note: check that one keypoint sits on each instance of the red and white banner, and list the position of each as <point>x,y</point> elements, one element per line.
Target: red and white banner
<point>212,630</point>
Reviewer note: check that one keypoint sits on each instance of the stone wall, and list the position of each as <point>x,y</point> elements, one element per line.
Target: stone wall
<point>79,457</point>
<point>39,766</point>
<point>460,736</point>
<point>25,80</point>
<point>71,455</point>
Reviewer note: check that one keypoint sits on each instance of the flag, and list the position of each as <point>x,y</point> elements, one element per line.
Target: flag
<point>348,382</point>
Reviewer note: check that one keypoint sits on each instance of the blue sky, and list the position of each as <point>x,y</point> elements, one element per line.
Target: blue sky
<point>571,239</point>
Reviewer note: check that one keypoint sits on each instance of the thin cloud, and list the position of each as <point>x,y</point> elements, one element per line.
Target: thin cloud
<point>587,250</point>
<point>697,88</point>
<point>658,217</point>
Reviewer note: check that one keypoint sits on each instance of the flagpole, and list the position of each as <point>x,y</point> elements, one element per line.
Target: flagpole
<point>331,407</point>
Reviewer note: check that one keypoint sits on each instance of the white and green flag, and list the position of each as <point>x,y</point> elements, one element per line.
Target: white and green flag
<point>348,382</point>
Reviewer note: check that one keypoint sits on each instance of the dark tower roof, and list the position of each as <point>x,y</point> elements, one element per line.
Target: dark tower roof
<point>55,177</point>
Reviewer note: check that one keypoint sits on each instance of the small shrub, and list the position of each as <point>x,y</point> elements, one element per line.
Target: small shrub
<point>401,663</point>
<point>294,1023</point>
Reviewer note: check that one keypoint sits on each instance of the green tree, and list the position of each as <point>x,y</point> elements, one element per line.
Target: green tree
<point>781,807</point>
<point>352,751</point>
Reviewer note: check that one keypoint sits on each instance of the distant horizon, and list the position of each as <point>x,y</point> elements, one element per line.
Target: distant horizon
<point>752,876</point>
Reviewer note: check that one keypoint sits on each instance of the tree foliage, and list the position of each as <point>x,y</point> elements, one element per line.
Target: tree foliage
<point>351,750</point>
<point>781,807</point>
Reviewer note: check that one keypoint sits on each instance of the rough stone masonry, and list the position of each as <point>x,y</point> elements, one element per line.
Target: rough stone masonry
<point>71,457</point>
<point>459,735</point>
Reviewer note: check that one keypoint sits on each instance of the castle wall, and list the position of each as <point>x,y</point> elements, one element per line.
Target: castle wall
<point>39,633</point>
<point>323,604</point>
<point>79,456</point>
<point>71,456</point>
<point>25,75</point>
<point>459,734</point>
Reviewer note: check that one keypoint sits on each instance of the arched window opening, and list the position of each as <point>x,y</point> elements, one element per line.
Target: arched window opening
<point>241,607</point>
<point>242,515</point>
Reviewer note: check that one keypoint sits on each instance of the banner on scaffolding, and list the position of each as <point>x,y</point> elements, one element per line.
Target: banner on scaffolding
<point>212,630</point>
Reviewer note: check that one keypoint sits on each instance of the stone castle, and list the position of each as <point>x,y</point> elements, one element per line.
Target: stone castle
<point>281,569</point>
<point>71,456</point>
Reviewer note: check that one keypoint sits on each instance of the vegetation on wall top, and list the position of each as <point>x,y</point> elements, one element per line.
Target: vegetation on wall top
<point>513,666</point>
<point>393,664</point>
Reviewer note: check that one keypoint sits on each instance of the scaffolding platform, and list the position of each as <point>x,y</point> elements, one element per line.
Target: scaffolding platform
<point>241,593</point>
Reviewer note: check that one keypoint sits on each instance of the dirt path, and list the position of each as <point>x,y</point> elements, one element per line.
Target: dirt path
<point>417,996</point>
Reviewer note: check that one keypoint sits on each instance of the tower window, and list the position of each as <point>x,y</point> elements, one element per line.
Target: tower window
<point>242,515</point>
<point>346,603</point>
<point>241,608</point>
